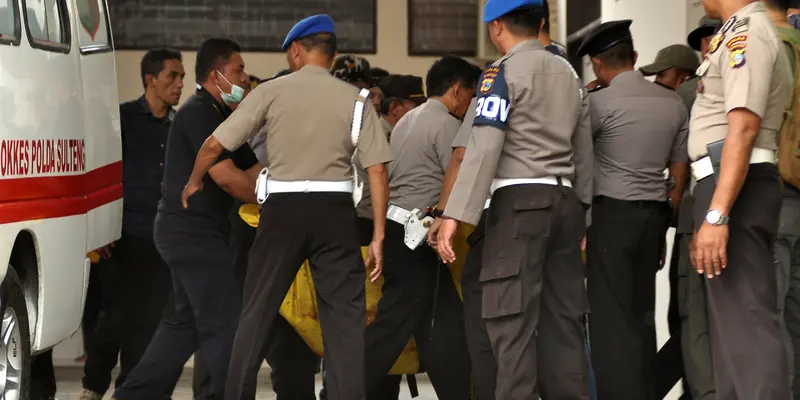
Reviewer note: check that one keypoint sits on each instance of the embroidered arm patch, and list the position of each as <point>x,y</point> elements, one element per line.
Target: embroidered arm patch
<point>493,103</point>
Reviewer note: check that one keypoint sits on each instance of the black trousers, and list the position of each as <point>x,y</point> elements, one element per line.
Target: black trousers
<point>137,294</point>
<point>534,297</point>
<point>415,283</point>
<point>293,364</point>
<point>787,253</point>
<point>320,227</point>
<point>744,322</point>
<point>390,387</point>
<point>623,251</point>
<point>43,377</point>
<point>484,366</point>
<point>207,305</point>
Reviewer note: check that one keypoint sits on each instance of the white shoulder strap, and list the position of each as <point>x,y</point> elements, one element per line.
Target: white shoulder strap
<point>358,115</point>
<point>355,132</point>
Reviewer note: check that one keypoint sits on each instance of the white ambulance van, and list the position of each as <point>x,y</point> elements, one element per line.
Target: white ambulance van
<point>60,171</point>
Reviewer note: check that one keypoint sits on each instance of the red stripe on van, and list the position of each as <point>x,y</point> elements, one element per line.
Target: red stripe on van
<point>26,199</point>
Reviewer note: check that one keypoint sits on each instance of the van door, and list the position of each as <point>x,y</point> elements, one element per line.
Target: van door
<point>101,120</point>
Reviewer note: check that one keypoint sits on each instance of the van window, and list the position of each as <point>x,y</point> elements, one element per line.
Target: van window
<point>46,21</point>
<point>8,20</point>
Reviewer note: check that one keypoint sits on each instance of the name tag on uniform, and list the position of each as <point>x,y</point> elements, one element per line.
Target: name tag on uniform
<point>493,105</point>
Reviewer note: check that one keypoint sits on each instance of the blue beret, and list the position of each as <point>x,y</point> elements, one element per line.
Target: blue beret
<point>315,24</point>
<point>494,9</point>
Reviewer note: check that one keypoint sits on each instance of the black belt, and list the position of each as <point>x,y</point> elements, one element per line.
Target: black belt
<point>648,204</point>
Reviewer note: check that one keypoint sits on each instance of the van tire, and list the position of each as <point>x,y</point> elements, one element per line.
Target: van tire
<point>15,353</point>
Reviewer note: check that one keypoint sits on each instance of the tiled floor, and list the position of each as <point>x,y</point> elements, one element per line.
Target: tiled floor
<point>69,386</point>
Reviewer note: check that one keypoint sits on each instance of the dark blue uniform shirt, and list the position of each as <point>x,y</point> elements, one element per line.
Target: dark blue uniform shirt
<point>209,208</point>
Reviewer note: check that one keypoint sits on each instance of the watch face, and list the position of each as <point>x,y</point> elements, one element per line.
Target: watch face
<point>713,217</point>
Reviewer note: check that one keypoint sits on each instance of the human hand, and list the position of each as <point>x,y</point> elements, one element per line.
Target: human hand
<point>375,258</point>
<point>710,249</point>
<point>105,251</point>
<point>444,245</point>
<point>190,189</point>
<point>433,231</point>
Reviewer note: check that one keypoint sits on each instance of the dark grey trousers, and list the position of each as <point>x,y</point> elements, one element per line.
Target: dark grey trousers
<point>787,253</point>
<point>744,323</point>
<point>533,292</point>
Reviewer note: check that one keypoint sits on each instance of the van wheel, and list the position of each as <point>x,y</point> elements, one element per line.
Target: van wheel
<point>15,343</point>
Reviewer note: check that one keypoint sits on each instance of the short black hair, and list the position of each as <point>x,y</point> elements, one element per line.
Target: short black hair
<point>212,54</point>
<point>525,21</point>
<point>324,43</point>
<point>153,61</point>
<point>794,3</point>
<point>618,56</point>
<point>449,70</point>
<point>778,5</point>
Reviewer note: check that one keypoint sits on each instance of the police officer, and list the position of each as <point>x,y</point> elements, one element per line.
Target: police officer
<point>673,66</point>
<point>691,296</point>
<point>357,71</point>
<point>630,213</point>
<point>412,296</point>
<point>698,40</point>
<point>529,147</point>
<point>745,83</point>
<point>400,94</point>
<point>309,212</point>
<point>193,237</point>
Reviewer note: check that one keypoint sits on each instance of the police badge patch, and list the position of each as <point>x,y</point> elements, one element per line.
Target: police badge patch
<point>737,43</point>
<point>737,58</point>
<point>715,42</point>
<point>488,79</point>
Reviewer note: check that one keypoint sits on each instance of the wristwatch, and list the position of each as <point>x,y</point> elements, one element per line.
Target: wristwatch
<point>714,217</point>
<point>437,213</point>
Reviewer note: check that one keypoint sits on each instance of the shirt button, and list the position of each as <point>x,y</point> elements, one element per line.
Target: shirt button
<point>162,145</point>
<point>160,164</point>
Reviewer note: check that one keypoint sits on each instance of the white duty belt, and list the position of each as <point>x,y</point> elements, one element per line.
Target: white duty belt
<point>416,229</point>
<point>266,186</point>
<point>355,132</point>
<point>703,168</point>
<point>551,180</point>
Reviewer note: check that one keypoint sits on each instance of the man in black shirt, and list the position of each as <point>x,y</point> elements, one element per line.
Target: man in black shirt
<point>136,283</point>
<point>193,238</point>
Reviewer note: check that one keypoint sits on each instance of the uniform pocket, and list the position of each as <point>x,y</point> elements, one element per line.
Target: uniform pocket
<point>502,288</point>
<point>532,215</point>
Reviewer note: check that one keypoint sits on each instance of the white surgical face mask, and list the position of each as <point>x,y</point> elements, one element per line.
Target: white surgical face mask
<point>235,96</point>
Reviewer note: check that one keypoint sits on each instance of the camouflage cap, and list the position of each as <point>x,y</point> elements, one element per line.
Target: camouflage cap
<point>351,69</point>
<point>676,56</point>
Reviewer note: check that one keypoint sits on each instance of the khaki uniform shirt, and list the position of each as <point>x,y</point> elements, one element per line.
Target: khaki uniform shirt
<point>529,123</point>
<point>638,128</point>
<point>744,68</point>
<point>364,208</point>
<point>307,137</point>
<point>422,145</point>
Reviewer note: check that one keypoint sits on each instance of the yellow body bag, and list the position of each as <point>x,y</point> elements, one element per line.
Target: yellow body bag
<point>300,305</point>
